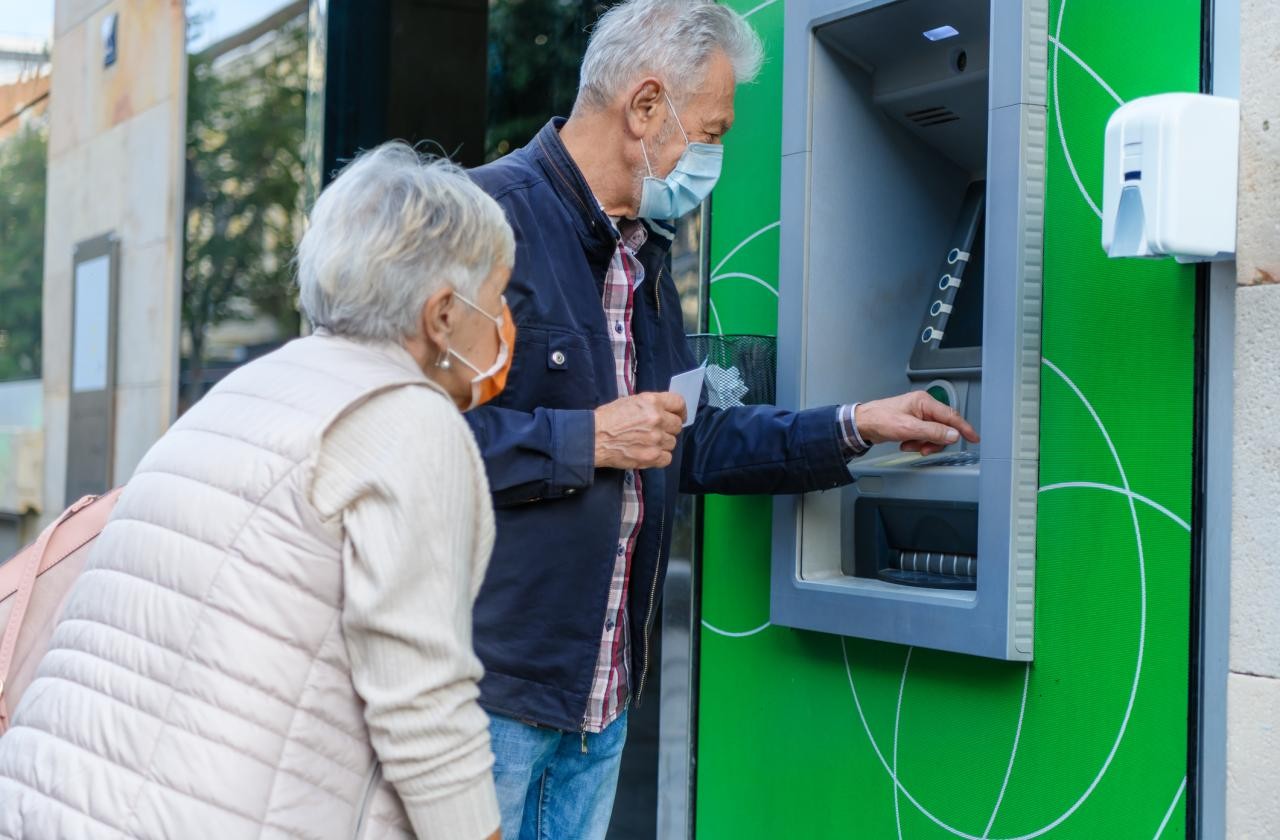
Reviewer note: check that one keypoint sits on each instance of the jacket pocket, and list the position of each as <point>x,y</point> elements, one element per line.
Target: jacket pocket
<point>551,369</point>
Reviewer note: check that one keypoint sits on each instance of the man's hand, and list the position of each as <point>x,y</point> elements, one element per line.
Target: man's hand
<point>917,420</point>
<point>635,433</point>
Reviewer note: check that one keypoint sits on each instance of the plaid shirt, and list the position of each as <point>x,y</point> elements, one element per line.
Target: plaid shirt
<point>611,685</point>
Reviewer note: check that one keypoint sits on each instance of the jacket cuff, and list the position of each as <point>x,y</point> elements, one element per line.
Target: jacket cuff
<point>573,442</point>
<point>469,814</point>
<point>824,454</point>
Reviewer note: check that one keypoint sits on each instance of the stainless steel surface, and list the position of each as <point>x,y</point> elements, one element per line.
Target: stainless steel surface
<point>674,716</point>
<point>1209,786</point>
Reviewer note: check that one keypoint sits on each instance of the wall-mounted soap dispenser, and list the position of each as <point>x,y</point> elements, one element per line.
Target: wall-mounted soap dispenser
<point>1169,178</point>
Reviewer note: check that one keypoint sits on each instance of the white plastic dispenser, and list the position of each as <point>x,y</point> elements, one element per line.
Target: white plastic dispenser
<point>1170,178</point>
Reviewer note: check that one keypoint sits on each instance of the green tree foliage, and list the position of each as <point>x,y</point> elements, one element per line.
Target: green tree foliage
<point>244,176</point>
<point>23,165</point>
<point>535,48</point>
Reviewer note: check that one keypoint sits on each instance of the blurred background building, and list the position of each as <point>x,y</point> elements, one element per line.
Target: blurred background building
<point>24,133</point>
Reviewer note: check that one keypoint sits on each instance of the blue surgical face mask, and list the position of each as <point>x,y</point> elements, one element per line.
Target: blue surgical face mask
<point>689,183</point>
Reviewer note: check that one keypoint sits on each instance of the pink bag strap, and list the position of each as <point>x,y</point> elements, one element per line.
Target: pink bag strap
<point>22,599</point>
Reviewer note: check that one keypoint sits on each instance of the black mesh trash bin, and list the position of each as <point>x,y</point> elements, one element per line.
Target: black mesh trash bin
<point>741,369</point>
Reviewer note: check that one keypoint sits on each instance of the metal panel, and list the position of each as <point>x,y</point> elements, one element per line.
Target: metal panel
<point>867,207</point>
<point>91,424</point>
<point>1209,784</point>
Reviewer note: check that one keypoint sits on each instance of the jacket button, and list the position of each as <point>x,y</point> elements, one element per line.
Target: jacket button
<point>570,491</point>
<point>557,357</point>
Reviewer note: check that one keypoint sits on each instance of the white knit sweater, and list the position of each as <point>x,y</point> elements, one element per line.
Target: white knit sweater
<point>403,473</point>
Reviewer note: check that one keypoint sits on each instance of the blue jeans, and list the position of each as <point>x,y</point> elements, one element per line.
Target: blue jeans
<point>548,788</point>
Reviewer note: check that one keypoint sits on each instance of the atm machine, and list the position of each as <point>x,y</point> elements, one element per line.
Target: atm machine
<point>912,215</point>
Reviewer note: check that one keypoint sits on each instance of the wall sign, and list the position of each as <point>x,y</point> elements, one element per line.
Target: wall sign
<point>109,25</point>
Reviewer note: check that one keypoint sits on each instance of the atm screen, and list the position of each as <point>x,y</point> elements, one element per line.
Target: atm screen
<point>949,339</point>
<point>964,327</point>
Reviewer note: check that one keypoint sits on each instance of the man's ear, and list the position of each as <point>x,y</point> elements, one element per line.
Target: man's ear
<point>438,315</point>
<point>645,107</point>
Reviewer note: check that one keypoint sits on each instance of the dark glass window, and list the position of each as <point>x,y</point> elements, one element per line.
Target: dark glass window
<point>535,47</point>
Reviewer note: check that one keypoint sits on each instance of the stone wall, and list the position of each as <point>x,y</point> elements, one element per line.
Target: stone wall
<point>116,162</point>
<point>1253,689</point>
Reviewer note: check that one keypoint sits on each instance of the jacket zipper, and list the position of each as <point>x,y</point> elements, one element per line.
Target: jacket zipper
<point>370,785</point>
<point>657,295</point>
<point>653,594</point>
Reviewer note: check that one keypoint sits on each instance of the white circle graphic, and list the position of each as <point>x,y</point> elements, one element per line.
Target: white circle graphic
<point>1133,692</point>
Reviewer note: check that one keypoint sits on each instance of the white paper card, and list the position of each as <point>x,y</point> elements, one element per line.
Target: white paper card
<point>689,386</point>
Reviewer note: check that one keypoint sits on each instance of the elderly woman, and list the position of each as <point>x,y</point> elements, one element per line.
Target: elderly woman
<point>273,635</point>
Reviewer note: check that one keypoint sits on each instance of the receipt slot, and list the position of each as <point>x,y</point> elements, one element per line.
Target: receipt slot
<point>912,215</point>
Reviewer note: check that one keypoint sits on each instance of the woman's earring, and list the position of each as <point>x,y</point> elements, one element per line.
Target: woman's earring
<point>443,362</point>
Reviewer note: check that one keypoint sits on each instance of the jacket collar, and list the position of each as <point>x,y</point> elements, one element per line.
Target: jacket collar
<point>594,228</point>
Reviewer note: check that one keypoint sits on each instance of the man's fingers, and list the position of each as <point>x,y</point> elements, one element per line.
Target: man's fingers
<point>672,402</point>
<point>671,423</point>
<point>945,414</point>
<point>926,431</point>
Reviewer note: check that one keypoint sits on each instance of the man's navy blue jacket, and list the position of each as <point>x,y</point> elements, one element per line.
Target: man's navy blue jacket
<point>541,611</point>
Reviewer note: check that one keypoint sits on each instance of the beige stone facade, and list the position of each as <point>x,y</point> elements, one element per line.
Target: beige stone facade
<point>1253,690</point>
<point>116,141</point>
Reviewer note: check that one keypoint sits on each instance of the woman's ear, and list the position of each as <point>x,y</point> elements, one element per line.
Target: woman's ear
<point>438,316</point>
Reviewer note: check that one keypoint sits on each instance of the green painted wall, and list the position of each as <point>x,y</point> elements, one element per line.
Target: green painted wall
<point>799,733</point>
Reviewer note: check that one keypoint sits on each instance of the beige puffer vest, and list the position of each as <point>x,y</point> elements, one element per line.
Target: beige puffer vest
<point>198,684</point>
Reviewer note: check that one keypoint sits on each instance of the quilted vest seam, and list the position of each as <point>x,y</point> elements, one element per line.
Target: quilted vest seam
<point>144,781</point>
<point>288,739</point>
<point>148,766</point>
<point>55,800</point>
<point>216,609</point>
<point>315,596</point>
<point>283,736</point>
<point>329,724</point>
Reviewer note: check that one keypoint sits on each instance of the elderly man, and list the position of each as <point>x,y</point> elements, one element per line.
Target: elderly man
<point>585,449</point>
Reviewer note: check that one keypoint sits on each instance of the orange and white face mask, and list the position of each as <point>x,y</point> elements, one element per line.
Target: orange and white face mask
<point>487,384</point>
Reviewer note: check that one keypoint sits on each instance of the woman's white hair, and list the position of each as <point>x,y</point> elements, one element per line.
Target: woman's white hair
<point>391,230</point>
<point>670,39</point>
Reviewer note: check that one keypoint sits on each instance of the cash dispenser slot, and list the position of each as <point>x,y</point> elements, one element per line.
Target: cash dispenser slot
<point>912,542</point>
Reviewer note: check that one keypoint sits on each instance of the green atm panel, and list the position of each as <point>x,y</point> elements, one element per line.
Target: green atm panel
<point>801,734</point>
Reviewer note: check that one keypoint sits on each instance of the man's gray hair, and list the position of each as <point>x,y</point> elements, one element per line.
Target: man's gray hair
<point>391,230</point>
<point>670,39</point>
